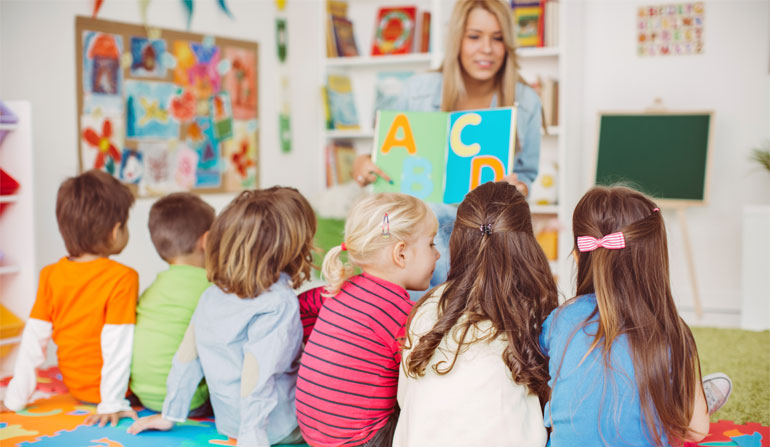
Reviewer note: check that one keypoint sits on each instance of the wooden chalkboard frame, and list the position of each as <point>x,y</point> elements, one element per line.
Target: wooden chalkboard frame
<point>663,201</point>
<point>127,30</point>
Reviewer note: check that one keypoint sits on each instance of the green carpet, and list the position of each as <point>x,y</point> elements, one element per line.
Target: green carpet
<point>745,357</point>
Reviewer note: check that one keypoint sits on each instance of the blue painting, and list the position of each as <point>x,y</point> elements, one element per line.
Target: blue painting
<point>147,57</point>
<point>102,76</point>
<point>147,110</point>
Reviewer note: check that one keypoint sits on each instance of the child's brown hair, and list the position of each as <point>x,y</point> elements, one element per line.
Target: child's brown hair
<point>177,222</point>
<point>257,236</point>
<point>88,207</point>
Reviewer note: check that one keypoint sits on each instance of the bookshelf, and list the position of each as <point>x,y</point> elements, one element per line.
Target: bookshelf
<point>17,240</point>
<point>543,62</point>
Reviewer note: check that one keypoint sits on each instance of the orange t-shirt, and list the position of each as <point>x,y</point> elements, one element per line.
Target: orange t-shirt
<point>79,298</point>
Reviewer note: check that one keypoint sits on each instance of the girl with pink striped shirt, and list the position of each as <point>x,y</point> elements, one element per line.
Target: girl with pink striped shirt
<point>346,389</point>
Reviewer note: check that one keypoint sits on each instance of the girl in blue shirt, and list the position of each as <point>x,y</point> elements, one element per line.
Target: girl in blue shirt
<point>480,71</point>
<point>623,364</point>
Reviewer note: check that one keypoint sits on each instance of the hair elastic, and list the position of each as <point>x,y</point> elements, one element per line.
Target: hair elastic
<point>343,246</point>
<point>486,230</point>
<point>385,226</point>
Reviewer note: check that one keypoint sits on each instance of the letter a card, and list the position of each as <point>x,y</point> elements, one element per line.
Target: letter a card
<point>411,148</point>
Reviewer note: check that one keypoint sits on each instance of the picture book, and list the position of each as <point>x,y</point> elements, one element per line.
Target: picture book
<point>341,102</point>
<point>394,31</point>
<point>344,39</point>
<point>528,24</point>
<point>389,89</point>
<point>441,156</point>
<point>339,162</point>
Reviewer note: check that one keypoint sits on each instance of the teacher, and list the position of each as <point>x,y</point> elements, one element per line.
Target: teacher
<point>480,71</point>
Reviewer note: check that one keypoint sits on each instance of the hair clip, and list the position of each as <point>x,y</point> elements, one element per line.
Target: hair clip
<point>655,209</point>
<point>385,226</point>
<point>343,246</point>
<point>612,241</point>
<point>486,229</point>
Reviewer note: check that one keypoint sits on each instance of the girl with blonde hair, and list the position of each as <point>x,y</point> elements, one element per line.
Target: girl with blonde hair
<point>480,71</point>
<point>346,390</point>
<point>245,336</point>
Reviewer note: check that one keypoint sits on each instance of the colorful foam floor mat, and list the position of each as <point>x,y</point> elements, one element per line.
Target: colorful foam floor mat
<point>56,418</point>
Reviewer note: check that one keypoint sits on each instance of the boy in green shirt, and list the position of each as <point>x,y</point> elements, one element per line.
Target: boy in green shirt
<point>178,225</point>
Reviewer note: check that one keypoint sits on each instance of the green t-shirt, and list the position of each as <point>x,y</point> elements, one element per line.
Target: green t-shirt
<point>162,316</point>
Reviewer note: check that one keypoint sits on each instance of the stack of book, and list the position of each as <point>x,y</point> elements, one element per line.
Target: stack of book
<point>549,98</point>
<point>340,40</point>
<point>536,23</point>
<point>339,162</point>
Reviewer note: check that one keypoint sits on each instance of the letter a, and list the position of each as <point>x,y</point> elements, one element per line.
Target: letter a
<point>399,122</point>
<point>485,161</point>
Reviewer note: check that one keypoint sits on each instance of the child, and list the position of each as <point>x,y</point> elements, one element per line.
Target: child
<point>624,366</point>
<point>178,226</point>
<point>472,369</point>
<point>346,390</point>
<point>245,335</point>
<point>86,302</point>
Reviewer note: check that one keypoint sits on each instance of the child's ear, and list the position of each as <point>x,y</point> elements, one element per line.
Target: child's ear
<point>399,254</point>
<point>115,231</point>
<point>201,244</point>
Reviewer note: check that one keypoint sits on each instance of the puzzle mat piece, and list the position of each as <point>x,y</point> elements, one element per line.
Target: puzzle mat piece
<point>727,433</point>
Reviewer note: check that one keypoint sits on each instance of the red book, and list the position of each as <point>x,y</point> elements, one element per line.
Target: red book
<point>425,32</point>
<point>395,30</point>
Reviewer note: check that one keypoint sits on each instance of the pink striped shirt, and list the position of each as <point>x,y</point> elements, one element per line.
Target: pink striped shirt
<point>346,387</point>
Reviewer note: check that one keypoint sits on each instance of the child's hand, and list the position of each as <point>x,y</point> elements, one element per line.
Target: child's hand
<point>113,418</point>
<point>154,422</point>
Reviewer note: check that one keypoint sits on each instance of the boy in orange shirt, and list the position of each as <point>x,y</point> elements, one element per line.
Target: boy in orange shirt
<point>86,302</point>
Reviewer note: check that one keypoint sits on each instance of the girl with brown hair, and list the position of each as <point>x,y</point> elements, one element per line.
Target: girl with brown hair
<point>623,364</point>
<point>472,371</point>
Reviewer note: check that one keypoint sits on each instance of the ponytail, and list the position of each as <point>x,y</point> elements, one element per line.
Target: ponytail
<point>335,271</point>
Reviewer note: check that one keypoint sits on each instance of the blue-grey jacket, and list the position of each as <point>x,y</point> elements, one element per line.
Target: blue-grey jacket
<point>422,93</point>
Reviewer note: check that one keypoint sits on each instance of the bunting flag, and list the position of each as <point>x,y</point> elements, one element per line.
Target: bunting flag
<point>224,8</point>
<point>97,6</point>
<point>188,5</point>
<point>143,4</point>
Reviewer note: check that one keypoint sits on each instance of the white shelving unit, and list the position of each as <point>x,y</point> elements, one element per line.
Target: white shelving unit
<point>362,70</point>
<point>17,240</point>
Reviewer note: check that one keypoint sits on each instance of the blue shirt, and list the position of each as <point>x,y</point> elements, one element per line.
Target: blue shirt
<point>589,406</point>
<point>248,349</point>
<point>422,93</point>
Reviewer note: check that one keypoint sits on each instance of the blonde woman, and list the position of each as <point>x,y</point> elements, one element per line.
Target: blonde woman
<point>480,71</point>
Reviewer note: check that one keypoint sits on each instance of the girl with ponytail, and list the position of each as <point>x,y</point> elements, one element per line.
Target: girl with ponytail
<point>346,389</point>
<point>472,371</point>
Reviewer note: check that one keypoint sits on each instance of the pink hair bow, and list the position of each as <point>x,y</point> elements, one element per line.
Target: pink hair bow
<point>613,241</point>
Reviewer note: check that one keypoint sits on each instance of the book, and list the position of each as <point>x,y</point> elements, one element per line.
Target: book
<point>551,12</point>
<point>527,24</point>
<point>328,120</point>
<point>388,89</point>
<point>424,32</point>
<point>344,40</point>
<point>341,102</point>
<point>334,8</point>
<point>344,155</point>
<point>394,31</point>
<point>441,156</point>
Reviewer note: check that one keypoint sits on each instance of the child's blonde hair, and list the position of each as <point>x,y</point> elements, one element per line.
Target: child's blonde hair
<point>367,231</point>
<point>257,236</point>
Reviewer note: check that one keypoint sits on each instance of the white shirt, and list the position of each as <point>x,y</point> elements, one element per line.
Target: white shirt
<point>476,403</point>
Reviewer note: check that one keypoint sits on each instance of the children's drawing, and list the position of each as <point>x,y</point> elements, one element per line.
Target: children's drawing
<point>158,169</point>
<point>101,142</point>
<point>241,82</point>
<point>147,110</point>
<point>671,29</point>
<point>222,116</point>
<point>240,153</point>
<point>186,166</point>
<point>200,137</point>
<point>183,105</point>
<point>196,67</point>
<point>147,57</point>
<point>102,76</point>
<point>131,166</point>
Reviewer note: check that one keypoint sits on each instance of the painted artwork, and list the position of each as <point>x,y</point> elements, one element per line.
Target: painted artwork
<point>147,110</point>
<point>441,156</point>
<point>241,82</point>
<point>101,142</point>
<point>165,110</point>
<point>671,29</point>
<point>102,76</point>
<point>147,57</point>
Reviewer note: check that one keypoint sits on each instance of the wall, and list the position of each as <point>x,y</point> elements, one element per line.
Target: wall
<point>37,57</point>
<point>731,78</point>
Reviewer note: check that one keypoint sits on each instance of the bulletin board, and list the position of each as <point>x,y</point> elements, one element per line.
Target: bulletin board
<point>664,155</point>
<point>165,110</point>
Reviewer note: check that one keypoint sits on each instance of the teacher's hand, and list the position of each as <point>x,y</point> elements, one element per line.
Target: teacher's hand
<point>366,172</point>
<point>513,179</point>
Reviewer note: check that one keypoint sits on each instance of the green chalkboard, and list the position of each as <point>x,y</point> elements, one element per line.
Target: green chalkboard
<point>664,155</point>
